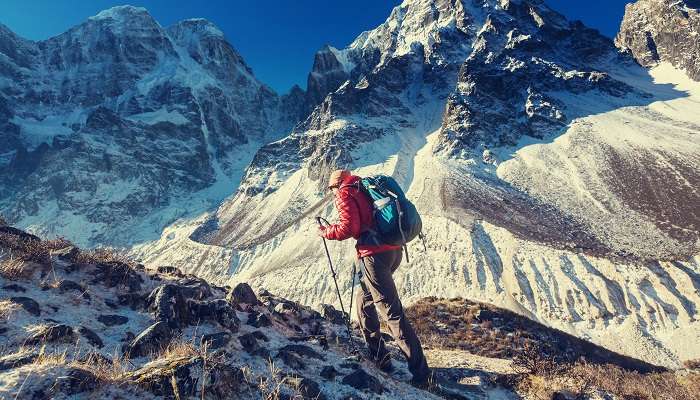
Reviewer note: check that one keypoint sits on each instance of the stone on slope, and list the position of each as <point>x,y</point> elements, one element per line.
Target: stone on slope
<point>28,304</point>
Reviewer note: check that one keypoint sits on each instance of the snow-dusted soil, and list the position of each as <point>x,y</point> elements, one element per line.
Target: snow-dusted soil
<point>101,308</point>
<point>602,175</point>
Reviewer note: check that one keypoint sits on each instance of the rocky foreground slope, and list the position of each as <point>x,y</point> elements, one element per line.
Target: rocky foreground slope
<point>84,325</point>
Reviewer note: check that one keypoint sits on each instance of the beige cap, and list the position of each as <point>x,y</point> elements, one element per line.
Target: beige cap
<point>337,177</point>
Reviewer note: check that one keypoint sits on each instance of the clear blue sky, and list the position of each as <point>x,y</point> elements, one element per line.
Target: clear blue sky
<point>277,38</point>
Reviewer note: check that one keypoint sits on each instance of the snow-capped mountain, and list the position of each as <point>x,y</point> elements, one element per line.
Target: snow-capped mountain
<point>663,31</point>
<point>555,175</point>
<point>120,125</point>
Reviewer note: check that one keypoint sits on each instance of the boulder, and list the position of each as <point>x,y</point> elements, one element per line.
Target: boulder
<point>328,372</point>
<point>151,340</point>
<point>249,342</point>
<point>216,340</point>
<point>28,304</point>
<point>242,294</point>
<point>258,320</point>
<point>16,360</point>
<point>116,273</point>
<point>290,359</point>
<point>189,377</point>
<point>113,320</point>
<point>52,333</point>
<point>307,388</point>
<point>14,288</point>
<point>67,285</point>
<point>303,351</point>
<point>92,337</point>
<point>361,380</point>
<point>331,314</point>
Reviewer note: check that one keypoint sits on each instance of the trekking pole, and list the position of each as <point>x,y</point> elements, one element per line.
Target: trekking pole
<point>321,221</point>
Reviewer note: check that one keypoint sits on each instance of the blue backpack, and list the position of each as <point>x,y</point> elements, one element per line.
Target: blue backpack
<point>396,219</point>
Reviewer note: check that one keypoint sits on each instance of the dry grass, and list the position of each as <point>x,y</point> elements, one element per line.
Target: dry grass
<point>105,255</point>
<point>542,378</point>
<point>453,324</point>
<point>692,364</point>
<point>7,308</point>
<point>23,257</point>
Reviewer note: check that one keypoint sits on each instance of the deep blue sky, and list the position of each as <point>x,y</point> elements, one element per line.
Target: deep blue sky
<point>277,38</point>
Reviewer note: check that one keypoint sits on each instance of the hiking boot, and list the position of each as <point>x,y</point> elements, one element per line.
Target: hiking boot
<point>423,381</point>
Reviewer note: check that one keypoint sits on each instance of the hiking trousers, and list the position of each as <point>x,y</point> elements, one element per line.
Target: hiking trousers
<point>379,295</point>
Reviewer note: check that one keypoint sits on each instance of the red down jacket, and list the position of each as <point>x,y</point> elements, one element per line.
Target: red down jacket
<point>355,218</point>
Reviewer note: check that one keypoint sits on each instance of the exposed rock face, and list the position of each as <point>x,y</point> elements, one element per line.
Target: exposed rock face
<point>659,30</point>
<point>155,114</point>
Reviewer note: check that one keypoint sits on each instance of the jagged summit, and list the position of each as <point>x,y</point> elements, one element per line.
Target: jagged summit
<point>657,31</point>
<point>183,95</point>
<point>201,26</point>
<point>120,12</point>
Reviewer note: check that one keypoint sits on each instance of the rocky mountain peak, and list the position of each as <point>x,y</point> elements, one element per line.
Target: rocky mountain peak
<point>656,31</point>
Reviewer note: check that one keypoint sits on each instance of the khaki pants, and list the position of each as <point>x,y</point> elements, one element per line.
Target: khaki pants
<point>379,294</point>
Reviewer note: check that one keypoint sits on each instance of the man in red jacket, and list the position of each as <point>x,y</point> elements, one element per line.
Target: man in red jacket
<point>378,262</point>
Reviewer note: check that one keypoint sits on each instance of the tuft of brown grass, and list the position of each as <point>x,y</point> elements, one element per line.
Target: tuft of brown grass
<point>692,364</point>
<point>23,257</point>
<point>542,378</point>
<point>105,255</point>
<point>7,308</point>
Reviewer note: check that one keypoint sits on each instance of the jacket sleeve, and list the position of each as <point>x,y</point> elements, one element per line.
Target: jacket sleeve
<point>349,218</point>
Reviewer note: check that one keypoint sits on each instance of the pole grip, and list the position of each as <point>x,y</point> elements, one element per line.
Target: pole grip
<point>322,221</point>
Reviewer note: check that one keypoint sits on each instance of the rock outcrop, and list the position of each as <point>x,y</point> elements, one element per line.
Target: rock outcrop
<point>657,31</point>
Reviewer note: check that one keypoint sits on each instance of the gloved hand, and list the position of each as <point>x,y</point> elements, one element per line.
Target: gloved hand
<point>322,231</point>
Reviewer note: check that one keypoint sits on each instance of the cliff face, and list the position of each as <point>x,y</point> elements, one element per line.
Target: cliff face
<point>661,30</point>
<point>122,125</point>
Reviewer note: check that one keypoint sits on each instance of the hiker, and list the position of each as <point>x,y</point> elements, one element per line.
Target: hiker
<point>378,262</point>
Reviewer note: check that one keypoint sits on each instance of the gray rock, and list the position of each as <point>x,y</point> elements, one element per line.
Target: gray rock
<point>15,288</point>
<point>75,381</point>
<point>151,340</point>
<point>242,294</point>
<point>52,333</point>
<point>66,285</point>
<point>249,342</point>
<point>307,388</point>
<point>291,359</point>
<point>258,319</point>
<point>361,380</point>
<point>28,304</point>
<point>112,320</point>
<point>16,360</point>
<point>167,269</point>
<point>331,314</point>
<point>328,372</point>
<point>92,337</point>
<point>217,340</point>
<point>304,351</point>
